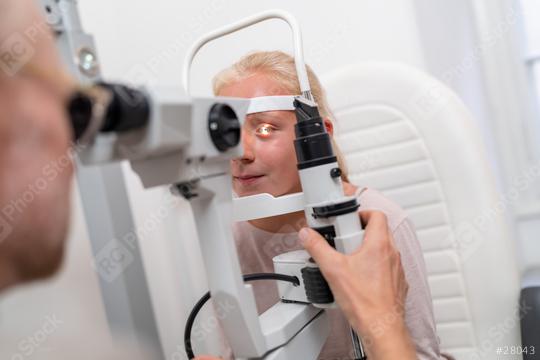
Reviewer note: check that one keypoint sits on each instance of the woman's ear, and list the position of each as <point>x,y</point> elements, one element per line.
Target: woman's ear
<point>329,126</point>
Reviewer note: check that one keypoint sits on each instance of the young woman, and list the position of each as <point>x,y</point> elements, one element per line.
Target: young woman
<point>268,165</point>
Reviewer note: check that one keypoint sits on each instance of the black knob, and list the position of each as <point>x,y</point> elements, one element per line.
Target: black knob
<point>224,127</point>
<point>317,289</point>
<point>335,173</point>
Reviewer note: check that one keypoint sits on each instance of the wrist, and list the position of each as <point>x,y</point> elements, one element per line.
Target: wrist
<point>386,338</point>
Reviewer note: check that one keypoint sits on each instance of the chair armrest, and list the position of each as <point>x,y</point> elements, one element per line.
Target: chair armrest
<point>530,314</point>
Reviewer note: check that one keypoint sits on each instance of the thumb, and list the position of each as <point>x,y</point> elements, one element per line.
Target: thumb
<point>317,247</point>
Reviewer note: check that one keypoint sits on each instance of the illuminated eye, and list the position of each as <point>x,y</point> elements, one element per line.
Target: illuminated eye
<point>265,130</point>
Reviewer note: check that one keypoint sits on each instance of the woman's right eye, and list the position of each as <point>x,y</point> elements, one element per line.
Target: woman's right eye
<point>264,130</point>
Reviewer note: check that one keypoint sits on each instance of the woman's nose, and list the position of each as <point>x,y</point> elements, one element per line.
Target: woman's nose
<point>247,147</point>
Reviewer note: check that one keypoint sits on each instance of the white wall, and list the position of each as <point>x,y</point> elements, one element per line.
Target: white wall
<point>478,49</point>
<point>449,44</point>
<point>530,225</point>
<point>135,37</point>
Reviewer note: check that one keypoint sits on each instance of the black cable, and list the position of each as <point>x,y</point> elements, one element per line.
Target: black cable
<point>271,276</point>
<point>198,306</point>
<point>189,324</point>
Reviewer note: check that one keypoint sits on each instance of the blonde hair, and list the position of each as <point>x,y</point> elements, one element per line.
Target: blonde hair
<point>280,67</point>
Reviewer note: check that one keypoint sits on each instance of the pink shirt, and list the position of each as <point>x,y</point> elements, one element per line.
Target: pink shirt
<point>257,247</point>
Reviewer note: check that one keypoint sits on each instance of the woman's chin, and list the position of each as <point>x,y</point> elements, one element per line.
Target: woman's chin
<point>244,192</point>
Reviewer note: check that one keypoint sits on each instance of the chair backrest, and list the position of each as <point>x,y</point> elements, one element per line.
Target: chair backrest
<point>409,136</point>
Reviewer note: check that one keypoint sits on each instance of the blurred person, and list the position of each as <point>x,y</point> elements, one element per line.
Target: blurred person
<point>34,147</point>
<point>36,175</point>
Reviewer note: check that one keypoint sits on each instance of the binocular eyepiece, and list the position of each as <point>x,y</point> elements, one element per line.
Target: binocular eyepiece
<point>108,108</point>
<point>105,107</point>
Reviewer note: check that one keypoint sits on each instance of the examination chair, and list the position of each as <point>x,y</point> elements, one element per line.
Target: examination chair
<point>409,136</point>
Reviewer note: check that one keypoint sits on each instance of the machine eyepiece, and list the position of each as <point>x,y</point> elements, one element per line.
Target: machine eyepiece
<point>224,127</point>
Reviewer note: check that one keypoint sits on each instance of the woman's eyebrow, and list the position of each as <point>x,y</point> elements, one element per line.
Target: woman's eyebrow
<point>262,117</point>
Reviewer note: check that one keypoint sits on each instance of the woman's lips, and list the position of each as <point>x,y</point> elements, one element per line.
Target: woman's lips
<point>248,180</point>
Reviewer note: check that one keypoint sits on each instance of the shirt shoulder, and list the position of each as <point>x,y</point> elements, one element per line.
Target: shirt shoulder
<point>371,199</point>
<point>256,248</point>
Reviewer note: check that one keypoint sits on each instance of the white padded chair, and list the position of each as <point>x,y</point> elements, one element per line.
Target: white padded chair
<point>407,135</point>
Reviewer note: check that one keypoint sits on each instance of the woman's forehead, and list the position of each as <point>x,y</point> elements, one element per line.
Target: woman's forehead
<point>254,86</point>
<point>278,115</point>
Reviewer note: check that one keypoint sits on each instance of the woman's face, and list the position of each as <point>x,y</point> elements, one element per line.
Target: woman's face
<point>268,161</point>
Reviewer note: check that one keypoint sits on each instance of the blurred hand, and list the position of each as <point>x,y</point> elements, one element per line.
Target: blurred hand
<point>369,286</point>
